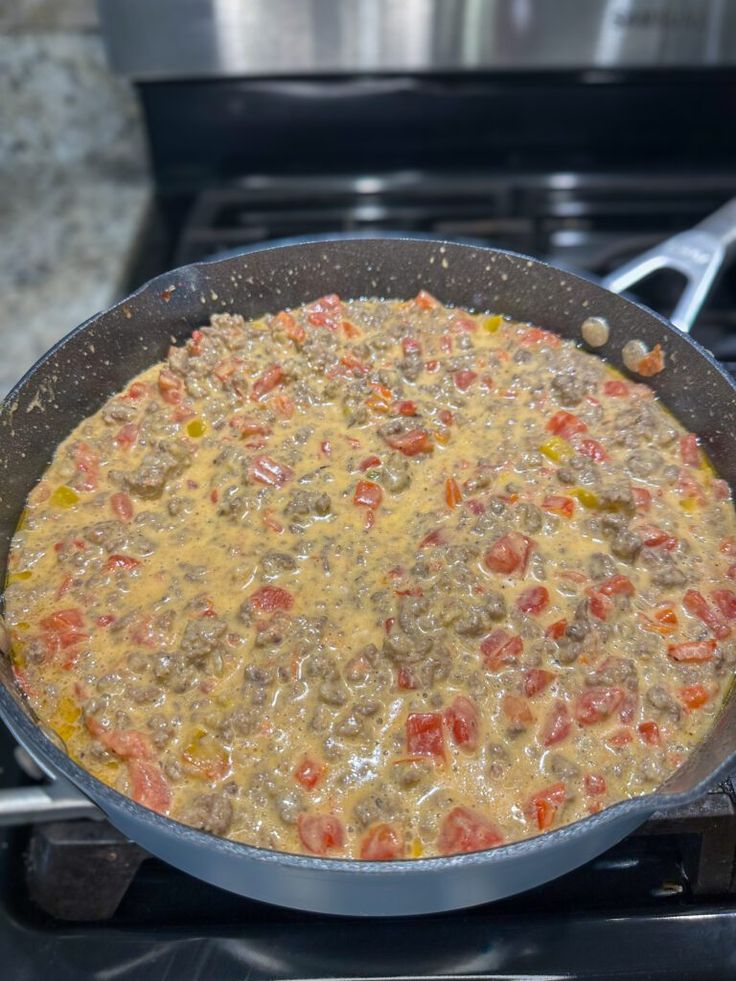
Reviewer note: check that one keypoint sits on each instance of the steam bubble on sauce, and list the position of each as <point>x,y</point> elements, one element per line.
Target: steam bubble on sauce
<point>595,331</point>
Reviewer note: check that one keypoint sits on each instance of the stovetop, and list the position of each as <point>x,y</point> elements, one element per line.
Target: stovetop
<point>78,901</point>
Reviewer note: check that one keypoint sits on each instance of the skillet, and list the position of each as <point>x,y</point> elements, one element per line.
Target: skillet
<point>76,377</point>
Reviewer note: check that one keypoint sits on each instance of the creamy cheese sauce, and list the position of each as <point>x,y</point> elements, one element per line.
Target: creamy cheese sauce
<point>376,579</point>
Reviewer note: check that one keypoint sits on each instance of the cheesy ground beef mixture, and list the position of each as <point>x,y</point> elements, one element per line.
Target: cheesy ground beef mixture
<point>376,579</point>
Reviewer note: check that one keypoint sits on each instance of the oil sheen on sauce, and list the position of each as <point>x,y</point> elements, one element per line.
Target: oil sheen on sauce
<point>377,579</point>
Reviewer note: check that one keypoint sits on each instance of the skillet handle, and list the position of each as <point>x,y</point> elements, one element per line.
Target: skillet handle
<point>56,801</point>
<point>697,254</point>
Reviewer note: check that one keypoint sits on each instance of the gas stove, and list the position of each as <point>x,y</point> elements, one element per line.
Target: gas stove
<point>561,138</point>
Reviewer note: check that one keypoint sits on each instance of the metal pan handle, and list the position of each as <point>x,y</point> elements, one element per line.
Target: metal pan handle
<point>697,254</point>
<point>55,801</point>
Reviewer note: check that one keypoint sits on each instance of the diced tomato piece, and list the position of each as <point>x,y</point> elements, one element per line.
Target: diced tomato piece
<point>594,784</point>
<point>320,833</point>
<point>464,378</point>
<point>653,537</point>
<point>509,553</point>
<point>731,572</point>
<point>148,785</point>
<point>460,325</point>
<point>413,443</point>
<point>616,586</point>
<point>271,377</point>
<point>557,725</point>
<point>725,600</point>
<point>476,506</point>
<point>87,463</point>
<point>453,494</point>
<point>500,650</point>
<point>566,425</point>
<point>664,621</point>
<point>64,627</point>
<point>537,335</point>
<point>367,494</point>
<point>137,390</point>
<point>283,405</point>
<point>463,723</point>
<point>405,678</point>
<point>600,606</point>
<point>516,710</point>
<point>382,843</point>
<point>410,345</point>
<point>652,363</point>
<point>122,505</point>
<point>270,598</point>
<point>721,490</point>
<point>616,388</point>
<point>642,499</point>
<point>125,562</point>
<point>433,538</point>
<point>445,417</point>
<point>688,487</point>
<point>170,386</point>
<point>536,680</point>
<point>126,743</point>
<point>597,704</point>
<point>559,504</point>
<point>649,732</point>
<point>728,546</point>
<point>268,471</point>
<point>621,737</point>
<point>406,408</point>
<point>689,450</point>
<point>696,604</point>
<point>291,328</point>
<point>533,600</point>
<point>694,696</point>
<point>309,772</point>
<point>592,449</point>
<point>354,365</point>
<point>556,630</point>
<point>127,435</point>
<point>369,463</point>
<point>692,651</point>
<point>425,301</point>
<point>464,830</point>
<point>63,620</point>
<point>424,734</point>
<point>105,620</point>
<point>326,312</point>
<point>543,806</point>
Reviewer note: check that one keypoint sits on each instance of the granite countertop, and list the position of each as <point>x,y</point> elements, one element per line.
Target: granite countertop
<point>67,240</point>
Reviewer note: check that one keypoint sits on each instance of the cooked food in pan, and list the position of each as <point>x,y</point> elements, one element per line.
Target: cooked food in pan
<point>377,579</point>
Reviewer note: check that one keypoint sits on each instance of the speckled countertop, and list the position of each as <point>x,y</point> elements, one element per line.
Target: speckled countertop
<point>73,186</point>
<point>66,242</point>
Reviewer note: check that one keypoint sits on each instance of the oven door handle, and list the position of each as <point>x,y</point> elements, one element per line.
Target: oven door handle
<point>698,254</point>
